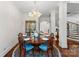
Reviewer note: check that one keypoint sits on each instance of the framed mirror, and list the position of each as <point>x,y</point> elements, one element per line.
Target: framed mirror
<point>30,26</point>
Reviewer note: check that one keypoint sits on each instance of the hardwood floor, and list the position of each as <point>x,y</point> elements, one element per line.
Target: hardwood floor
<point>9,54</point>
<point>72,50</point>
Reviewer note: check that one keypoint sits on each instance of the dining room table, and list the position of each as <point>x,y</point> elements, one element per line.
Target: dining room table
<point>34,42</point>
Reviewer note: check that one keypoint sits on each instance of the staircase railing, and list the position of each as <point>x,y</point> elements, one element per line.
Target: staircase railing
<point>73,30</point>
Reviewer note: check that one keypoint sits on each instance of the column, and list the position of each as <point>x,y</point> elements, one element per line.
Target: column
<point>63,24</point>
<point>52,21</point>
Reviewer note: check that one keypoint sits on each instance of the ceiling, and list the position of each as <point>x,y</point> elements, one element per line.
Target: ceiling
<point>73,8</point>
<point>44,7</point>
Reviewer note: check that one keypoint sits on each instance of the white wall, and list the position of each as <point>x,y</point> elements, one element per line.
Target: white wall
<point>10,26</point>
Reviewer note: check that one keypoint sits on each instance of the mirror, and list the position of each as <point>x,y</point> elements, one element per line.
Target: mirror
<point>30,26</point>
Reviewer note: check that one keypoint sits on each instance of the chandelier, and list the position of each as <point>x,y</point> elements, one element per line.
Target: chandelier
<point>35,12</point>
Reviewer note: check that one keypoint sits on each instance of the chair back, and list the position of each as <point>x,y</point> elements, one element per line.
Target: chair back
<point>20,38</point>
<point>51,39</point>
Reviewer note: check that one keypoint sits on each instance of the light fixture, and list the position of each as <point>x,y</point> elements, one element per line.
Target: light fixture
<point>35,12</point>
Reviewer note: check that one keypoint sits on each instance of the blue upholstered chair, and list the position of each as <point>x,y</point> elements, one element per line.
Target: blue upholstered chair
<point>44,46</point>
<point>28,46</point>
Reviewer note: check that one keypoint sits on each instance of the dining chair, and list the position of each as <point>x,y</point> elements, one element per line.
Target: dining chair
<point>28,46</point>
<point>57,37</point>
<point>51,43</point>
<point>24,45</point>
<point>47,45</point>
<point>20,39</point>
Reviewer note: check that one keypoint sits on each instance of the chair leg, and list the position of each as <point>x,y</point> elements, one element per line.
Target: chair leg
<point>20,51</point>
<point>23,52</point>
<point>20,47</point>
<point>33,52</point>
<point>47,53</point>
<point>50,52</point>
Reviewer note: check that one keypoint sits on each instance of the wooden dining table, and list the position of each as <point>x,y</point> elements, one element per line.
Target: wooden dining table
<point>35,42</point>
